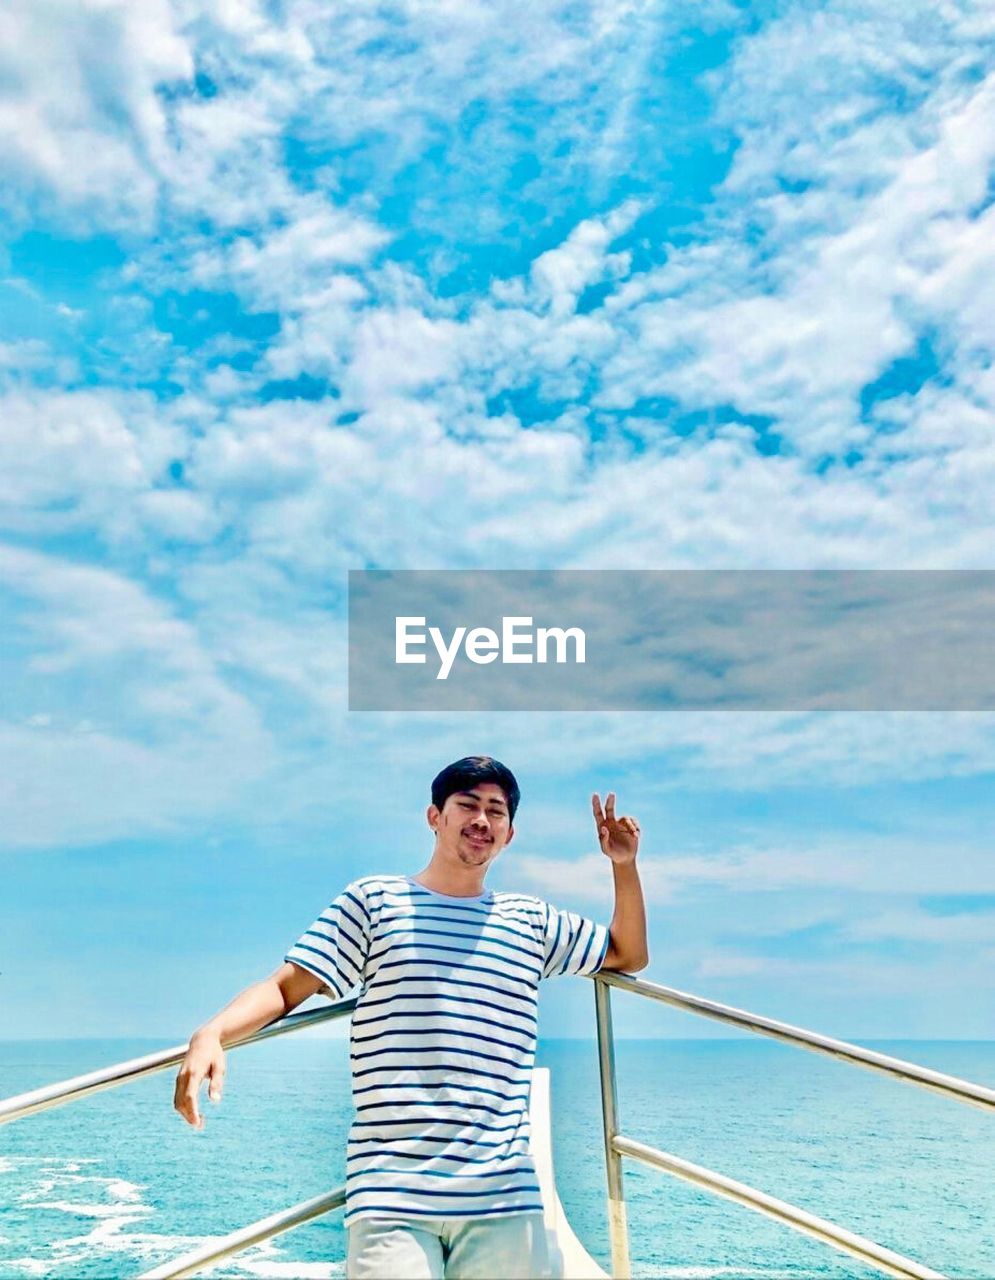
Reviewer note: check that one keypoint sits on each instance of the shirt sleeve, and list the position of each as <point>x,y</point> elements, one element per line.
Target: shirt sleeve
<point>573,944</point>
<point>336,946</point>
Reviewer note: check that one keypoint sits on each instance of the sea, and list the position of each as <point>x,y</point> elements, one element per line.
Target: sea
<point>116,1183</point>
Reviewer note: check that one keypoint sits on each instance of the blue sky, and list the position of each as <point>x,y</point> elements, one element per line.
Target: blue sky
<point>286,291</point>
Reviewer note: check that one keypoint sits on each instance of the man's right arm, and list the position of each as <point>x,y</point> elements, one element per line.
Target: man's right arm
<point>255,1007</point>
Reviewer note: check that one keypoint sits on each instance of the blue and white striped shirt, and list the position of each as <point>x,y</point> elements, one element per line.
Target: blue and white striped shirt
<point>443,1039</point>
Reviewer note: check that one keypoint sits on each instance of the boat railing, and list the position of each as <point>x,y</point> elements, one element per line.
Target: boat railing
<point>214,1251</point>
<point>617,1145</point>
<point>57,1095</point>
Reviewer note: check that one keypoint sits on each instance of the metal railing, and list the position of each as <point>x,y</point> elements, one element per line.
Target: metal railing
<point>617,1145</point>
<point>57,1095</point>
<point>265,1229</point>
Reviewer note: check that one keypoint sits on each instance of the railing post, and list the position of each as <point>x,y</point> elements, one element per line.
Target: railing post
<point>617,1225</point>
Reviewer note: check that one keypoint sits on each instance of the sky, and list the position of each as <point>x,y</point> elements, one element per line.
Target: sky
<point>289,289</point>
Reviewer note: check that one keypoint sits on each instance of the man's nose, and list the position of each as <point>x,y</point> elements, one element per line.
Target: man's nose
<point>479,819</point>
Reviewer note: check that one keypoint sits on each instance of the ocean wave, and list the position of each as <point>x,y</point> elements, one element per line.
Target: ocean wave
<point>28,1266</point>
<point>125,1212</point>
<point>113,1207</point>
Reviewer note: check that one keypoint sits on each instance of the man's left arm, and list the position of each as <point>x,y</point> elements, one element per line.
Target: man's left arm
<point>628,949</point>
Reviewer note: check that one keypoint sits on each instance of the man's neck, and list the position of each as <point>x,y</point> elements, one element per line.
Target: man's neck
<point>454,882</point>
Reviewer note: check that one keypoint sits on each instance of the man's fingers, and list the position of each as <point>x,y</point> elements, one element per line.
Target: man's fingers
<point>217,1080</point>
<point>185,1097</point>
<point>188,1110</point>
<point>599,816</point>
<point>610,806</point>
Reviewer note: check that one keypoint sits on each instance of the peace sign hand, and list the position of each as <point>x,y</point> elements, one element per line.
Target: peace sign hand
<point>619,837</point>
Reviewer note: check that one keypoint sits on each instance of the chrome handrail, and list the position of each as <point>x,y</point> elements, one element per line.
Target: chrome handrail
<point>618,1228</point>
<point>950,1086</point>
<point>204,1255</point>
<point>886,1260</point>
<point>617,1145</point>
<point>56,1095</point>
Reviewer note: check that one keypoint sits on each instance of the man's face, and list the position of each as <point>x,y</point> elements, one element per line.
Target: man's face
<point>473,826</point>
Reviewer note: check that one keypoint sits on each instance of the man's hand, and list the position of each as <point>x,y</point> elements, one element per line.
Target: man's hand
<point>255,1007</point>
<point>628,950</point>
<point>205,1060</point>
<point>619,837</point>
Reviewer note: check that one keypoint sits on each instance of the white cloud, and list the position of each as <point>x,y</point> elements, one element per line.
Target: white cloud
<point>21,361</point>
<point>297,260</point>
<point>846,996</point>
<point>831,869</point>
<point>881,241</point>
<point>836,278</point>
<point>80,115</point>
<point>397,352</point>
<point>73,459</point>
<point>910,924</point>
<point>119,721</point>
<point>844,749</point>
<point>793,332</point>
<point>178,515</point>
<point>99,461</point>
<point>797,332</point>
<point>559,275</point>
<point>256,31</point>
<point>753,870</point>
<point>727,964</point>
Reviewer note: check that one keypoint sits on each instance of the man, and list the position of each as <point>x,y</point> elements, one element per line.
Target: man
<point>439,1178</point>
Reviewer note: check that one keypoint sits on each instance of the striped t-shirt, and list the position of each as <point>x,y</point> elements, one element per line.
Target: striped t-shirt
<point>443,1039</point>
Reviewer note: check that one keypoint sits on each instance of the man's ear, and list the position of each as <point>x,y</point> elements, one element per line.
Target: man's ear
<point>511,835</point>
<point>433,814</point>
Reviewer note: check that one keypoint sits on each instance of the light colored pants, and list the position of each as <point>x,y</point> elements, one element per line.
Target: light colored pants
<point>514,1248</point>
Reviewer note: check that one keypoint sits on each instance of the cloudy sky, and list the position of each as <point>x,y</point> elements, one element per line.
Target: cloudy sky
<point>293,288</point>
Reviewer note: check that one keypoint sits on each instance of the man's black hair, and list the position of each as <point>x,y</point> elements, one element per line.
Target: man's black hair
<point>470,772</point>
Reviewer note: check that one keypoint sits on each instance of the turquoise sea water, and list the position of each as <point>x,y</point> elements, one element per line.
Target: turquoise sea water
<point>115,1184</point>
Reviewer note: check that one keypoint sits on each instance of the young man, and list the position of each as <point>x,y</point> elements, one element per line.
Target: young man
<point>439,1177</point>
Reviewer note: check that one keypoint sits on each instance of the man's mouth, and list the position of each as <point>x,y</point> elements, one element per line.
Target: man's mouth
<point>475,837</point>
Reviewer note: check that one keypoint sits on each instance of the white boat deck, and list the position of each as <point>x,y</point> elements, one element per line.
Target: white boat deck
<point>574,1262</point>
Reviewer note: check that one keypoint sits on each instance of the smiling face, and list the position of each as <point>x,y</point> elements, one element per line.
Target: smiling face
<point>472,827</point>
